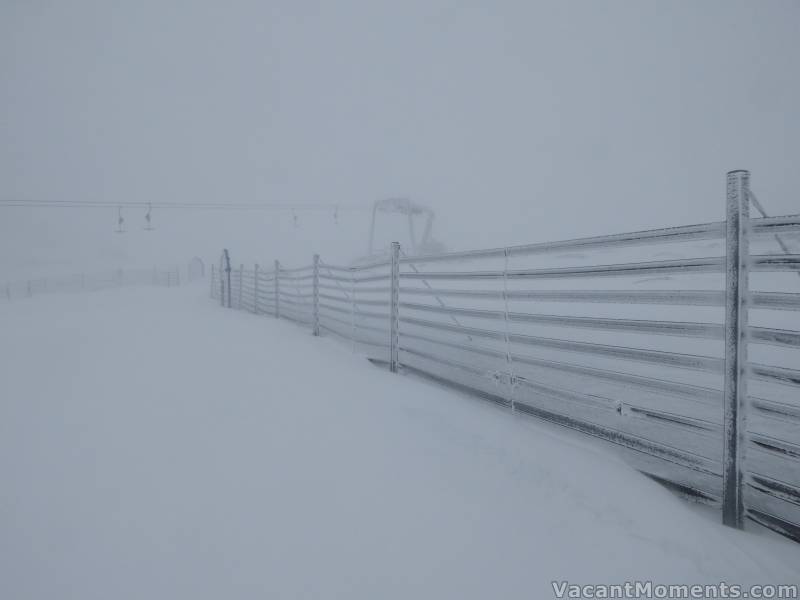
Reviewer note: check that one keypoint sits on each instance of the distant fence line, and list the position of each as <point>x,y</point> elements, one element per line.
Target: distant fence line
<point>98,280</point>
<point>680,345</point>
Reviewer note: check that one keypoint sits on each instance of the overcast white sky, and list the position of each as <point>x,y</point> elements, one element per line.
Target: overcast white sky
<point>518,121</point>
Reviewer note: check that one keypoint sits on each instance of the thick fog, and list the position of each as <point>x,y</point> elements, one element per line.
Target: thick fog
<point>519,411</point>
<point>515,121</point>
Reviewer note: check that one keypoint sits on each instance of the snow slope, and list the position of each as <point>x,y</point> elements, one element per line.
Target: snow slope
<point>153,445</point>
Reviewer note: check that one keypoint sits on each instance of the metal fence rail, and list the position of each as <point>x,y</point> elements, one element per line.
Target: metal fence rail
<point>679,345</point>
<point>88,281</point>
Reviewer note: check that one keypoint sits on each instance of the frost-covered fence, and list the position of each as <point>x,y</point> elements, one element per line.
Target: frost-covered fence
<point>169,277</point>
<point>680,345</point>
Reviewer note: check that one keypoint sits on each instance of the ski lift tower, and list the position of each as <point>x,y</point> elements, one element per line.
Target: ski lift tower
<point>425,244</point>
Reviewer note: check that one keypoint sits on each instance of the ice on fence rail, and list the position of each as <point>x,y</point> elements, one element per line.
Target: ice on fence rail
<point>619,336</point>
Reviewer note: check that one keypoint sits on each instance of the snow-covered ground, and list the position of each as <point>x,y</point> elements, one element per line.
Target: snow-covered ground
<point>153,445</point>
